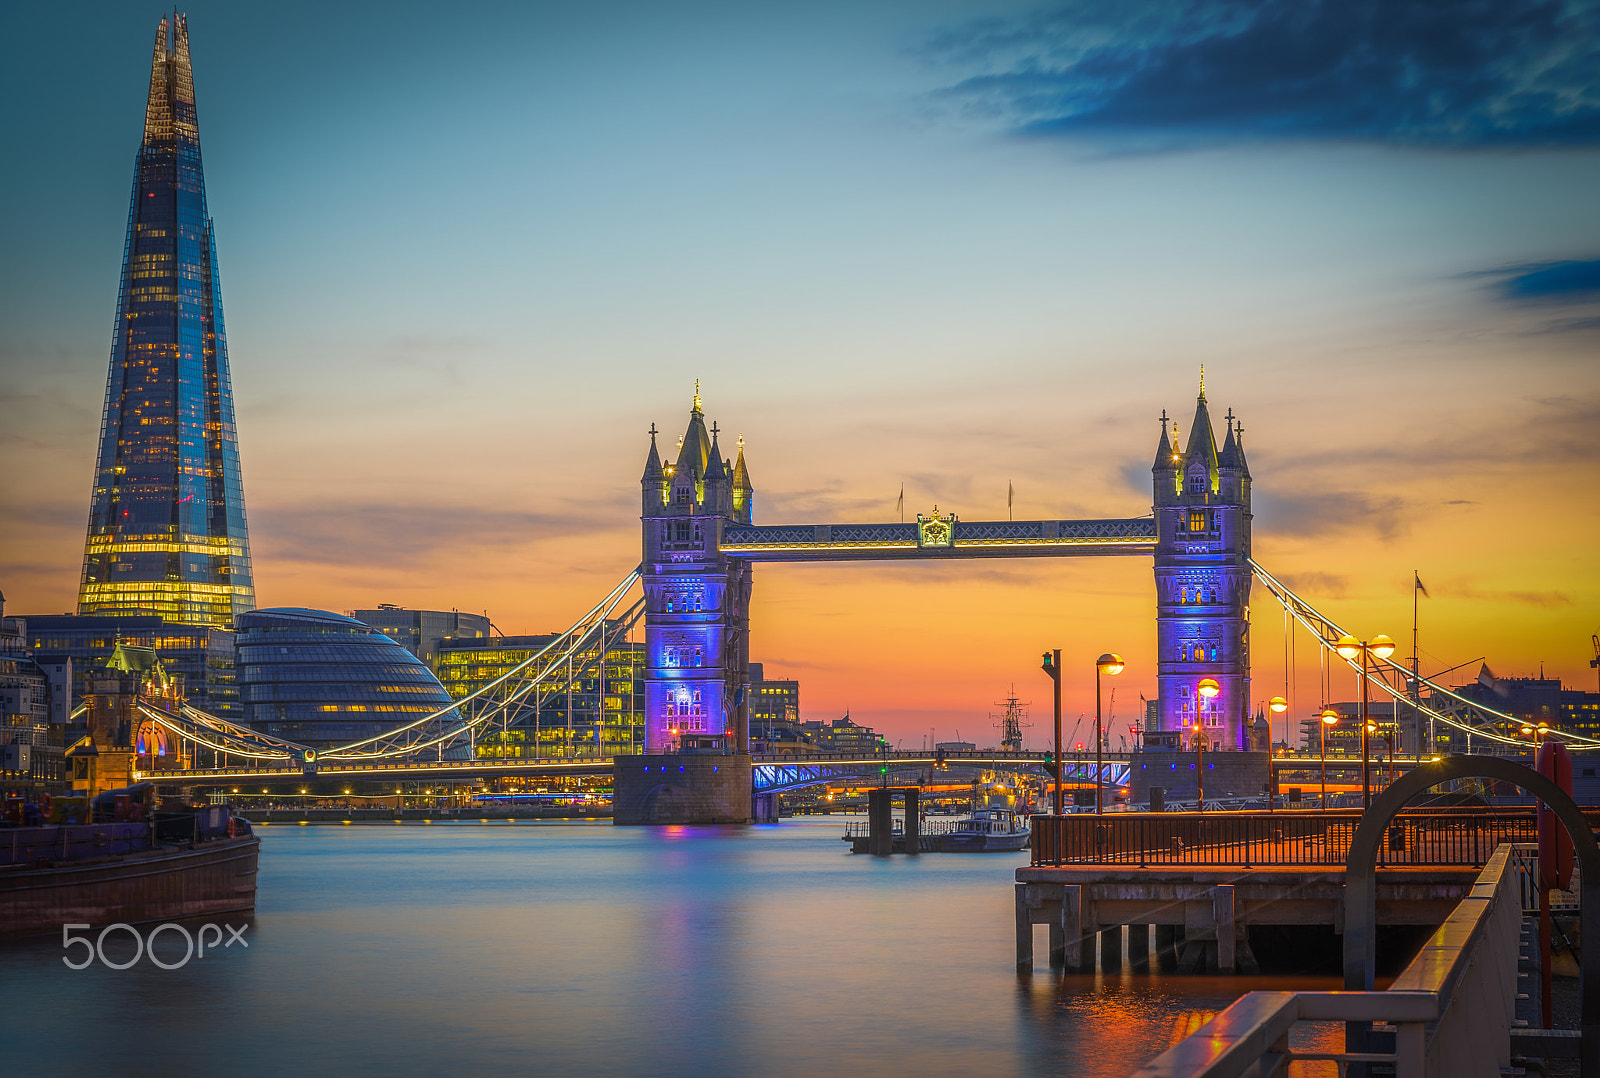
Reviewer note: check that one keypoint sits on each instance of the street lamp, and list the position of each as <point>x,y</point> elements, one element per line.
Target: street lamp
<point>1349,647</point>
<point>1052,666</point>
<point>1109,663</point>
<point>1537,731</point>
<point>1278,705</point>
<point>1207,688</point>
<point>1330,717</point>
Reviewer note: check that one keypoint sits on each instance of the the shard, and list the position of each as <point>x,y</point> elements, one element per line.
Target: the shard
<point>167,523</point>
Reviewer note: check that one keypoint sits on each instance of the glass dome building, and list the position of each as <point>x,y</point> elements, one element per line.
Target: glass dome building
<point>322,679</point>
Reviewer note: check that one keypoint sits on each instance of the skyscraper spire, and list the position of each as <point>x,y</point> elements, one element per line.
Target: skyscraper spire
<point>167,530</point>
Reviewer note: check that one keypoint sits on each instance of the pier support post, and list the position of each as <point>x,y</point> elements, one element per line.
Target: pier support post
<point>1222,912</point>
<point>1024,931</point>
<point>1058,943</point>
<point>1111,948</point>
<point>1139,948</point>
<point>913,822</point>
<point>1166,947</point>
<point>1072,927</point>
<point>880,823</point>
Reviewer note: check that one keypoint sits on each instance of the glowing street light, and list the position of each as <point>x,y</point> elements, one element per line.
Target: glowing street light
<point>1278,705</point>
<point>1330,717</point>
<point>1109,663</point>
<point>1349,647</point>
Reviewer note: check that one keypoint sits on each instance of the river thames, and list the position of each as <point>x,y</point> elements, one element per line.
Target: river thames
<point>579,948</point>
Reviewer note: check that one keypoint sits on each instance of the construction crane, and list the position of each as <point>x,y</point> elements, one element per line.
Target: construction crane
<point>1594,638</point>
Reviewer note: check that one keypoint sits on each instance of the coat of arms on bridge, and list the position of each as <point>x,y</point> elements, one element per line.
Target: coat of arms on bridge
<point>936,531</point>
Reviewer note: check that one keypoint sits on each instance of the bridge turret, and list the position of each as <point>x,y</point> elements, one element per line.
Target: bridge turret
<point>744,495</point>
<point>654,480</point>
<point>1165,468</point>
<point>1202,576</point>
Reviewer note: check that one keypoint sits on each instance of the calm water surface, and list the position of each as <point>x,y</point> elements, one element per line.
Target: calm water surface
<point>586,949</point>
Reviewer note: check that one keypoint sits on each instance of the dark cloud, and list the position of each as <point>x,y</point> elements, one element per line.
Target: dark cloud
<point>1551,281</point>
<point>1445,73</point>
<point>1321,512</point>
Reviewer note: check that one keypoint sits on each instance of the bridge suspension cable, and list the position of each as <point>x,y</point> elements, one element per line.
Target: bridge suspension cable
<point>1444,704</point>
<point>550,671</point>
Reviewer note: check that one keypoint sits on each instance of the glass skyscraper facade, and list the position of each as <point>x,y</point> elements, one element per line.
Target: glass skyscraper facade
<point>167,523</point>
<point>322,679</point>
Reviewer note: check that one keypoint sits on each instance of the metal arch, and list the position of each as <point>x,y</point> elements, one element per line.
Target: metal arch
<point>1360,877</point>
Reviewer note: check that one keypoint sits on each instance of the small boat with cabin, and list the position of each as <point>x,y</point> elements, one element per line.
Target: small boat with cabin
<point>988,830</point>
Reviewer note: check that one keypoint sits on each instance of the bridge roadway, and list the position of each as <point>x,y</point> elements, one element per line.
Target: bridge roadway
<point>775,771</point>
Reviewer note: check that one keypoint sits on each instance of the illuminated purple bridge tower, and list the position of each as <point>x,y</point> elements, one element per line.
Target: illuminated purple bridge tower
<point>1202,566</point>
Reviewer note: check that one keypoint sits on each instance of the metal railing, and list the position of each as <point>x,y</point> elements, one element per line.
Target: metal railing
<point>1451,1007</point>
<point>1256,839</point>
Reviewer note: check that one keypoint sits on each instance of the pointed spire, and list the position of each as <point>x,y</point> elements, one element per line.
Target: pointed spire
<point>652,463</point>
<point>1238,451</point>
<point>694,452</point>
<point>1166,459</point>
<point>716,467</point>
<point>169,112</point>
<point>1202,442</point>
<point>1230,447</point>
<point>741,474</point>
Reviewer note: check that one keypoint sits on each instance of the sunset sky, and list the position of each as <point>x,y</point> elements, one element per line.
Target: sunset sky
<point>470,252</point>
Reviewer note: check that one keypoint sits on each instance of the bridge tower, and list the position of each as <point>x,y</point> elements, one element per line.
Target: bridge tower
<point>1202,569</point>
<point>697,600</point>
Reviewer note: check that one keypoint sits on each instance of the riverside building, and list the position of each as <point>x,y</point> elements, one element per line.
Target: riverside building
<point>602,714</point>
<point>321,679</point>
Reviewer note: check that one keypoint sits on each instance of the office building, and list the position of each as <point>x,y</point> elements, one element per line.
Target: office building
<point>601,715</point>
<point>422,631</point>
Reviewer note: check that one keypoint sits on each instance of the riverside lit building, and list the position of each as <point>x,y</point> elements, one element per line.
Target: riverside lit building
<point>320,678</point>
<point>167,523</point>
<point>602,714</point>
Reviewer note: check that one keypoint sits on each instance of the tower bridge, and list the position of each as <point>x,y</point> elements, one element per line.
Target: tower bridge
<point>699,546</point>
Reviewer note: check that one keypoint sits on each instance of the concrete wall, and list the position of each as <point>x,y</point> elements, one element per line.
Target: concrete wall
<point>679,789</point>
<point>1228,774</point>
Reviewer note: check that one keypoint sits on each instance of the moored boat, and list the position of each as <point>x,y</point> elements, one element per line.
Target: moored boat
<point>988,830</point>
<point>188,863</point>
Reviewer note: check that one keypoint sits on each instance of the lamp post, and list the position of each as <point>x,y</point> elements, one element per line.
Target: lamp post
<point>1330,717</point>
<point>1349,647</point>
<point>1208,688</point>
<point>1052,666</point>
<point>1278,705</point>
<point>1112,664</point>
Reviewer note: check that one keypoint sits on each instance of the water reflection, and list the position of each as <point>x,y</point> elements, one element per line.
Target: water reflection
<point>580,948</point>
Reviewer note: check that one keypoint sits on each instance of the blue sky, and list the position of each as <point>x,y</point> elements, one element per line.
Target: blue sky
<point>469,253</point>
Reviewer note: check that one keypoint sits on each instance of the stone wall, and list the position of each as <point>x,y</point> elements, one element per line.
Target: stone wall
<point>679,789</point>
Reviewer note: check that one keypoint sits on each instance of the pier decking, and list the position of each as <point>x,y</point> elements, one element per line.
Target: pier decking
<point>1193,884</point>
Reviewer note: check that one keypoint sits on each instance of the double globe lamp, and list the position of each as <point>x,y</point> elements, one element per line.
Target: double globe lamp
<point>1380,647</point>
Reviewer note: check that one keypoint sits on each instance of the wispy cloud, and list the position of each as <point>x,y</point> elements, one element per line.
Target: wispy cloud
<point>405,535</point>
<point>1444,73</point>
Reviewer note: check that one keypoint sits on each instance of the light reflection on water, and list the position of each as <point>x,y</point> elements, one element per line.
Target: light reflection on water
<point>585,949</point>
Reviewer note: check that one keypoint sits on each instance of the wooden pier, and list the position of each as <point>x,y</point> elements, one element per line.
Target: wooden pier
<point>1186,888</point>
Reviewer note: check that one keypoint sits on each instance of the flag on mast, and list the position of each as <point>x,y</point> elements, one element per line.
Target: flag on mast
<point>1419,587</point>
<point>901,504</point>
<point>1011,494</point>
